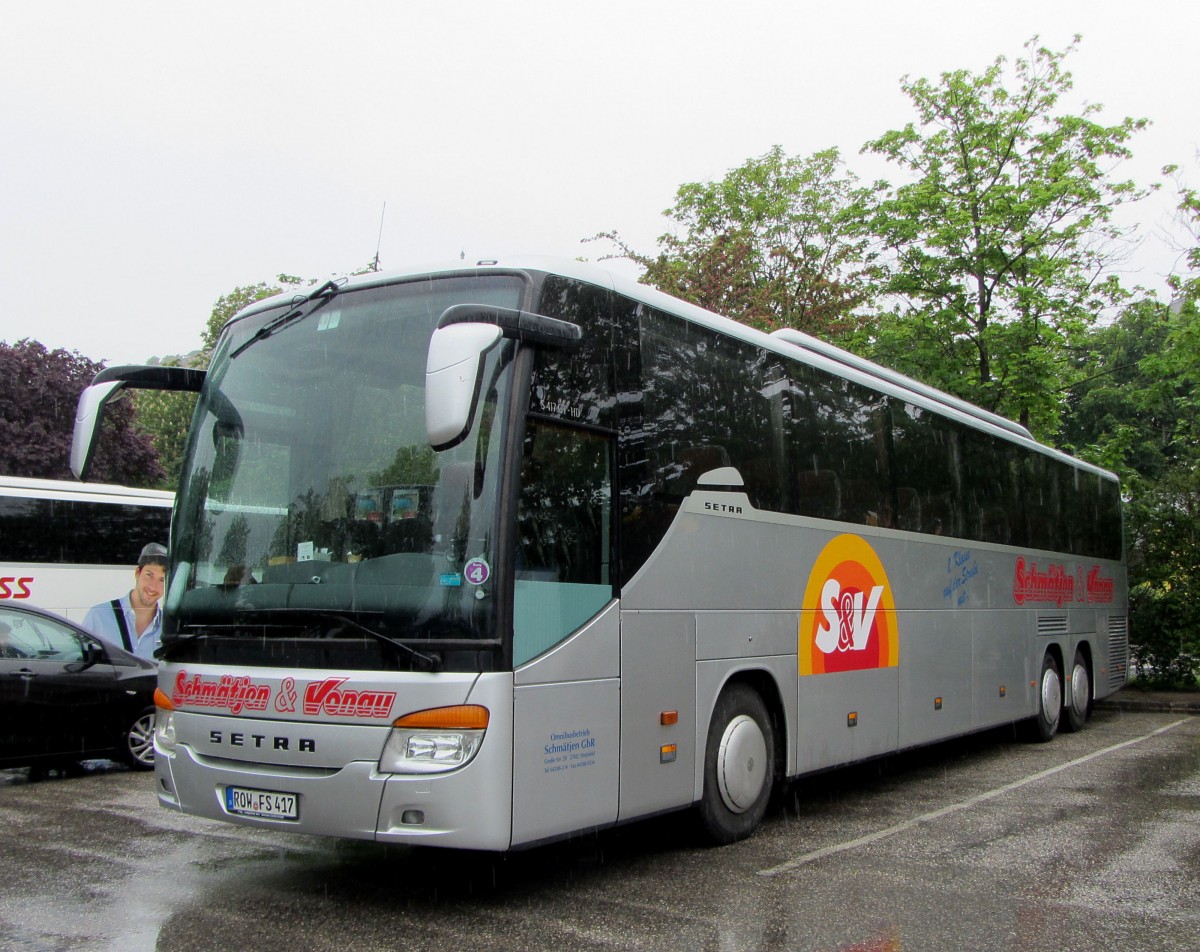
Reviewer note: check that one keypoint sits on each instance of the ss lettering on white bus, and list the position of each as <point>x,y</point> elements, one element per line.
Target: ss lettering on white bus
<point>13,587</point>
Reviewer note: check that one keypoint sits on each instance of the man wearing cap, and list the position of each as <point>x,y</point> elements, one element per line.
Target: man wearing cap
<point>135,621</point>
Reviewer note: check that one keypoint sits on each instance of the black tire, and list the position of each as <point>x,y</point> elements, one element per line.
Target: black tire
<point>137,741</point>
<point>739,766</point>
<point>1044,725</point>
<point>1081,695</point>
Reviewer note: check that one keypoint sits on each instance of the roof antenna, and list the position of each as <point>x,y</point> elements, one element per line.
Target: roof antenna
<point>379,240</point>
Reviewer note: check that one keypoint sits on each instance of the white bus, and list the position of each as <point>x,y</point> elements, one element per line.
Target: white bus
<point>67,546</point>
<point>485,556</point>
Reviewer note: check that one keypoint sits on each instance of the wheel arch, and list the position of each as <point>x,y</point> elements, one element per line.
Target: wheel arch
<point>1084,645</point>
<point>1055,651</point>
<point>766,683</point>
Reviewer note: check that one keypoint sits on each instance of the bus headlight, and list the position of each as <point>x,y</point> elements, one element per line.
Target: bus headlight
<point>434,740</point>
<point>164,724</point>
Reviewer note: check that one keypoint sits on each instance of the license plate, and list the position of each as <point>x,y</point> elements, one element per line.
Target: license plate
<point>268,803</point>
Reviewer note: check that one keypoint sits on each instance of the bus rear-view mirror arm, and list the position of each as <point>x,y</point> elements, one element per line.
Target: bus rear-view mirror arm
<point>464,335</point>
<point>105,387</point>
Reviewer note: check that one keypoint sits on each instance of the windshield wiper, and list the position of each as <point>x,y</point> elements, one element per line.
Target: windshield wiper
<point>325,292</point>
<point>429,661</point>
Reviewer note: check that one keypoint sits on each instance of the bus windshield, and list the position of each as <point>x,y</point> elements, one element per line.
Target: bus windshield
<point>313,509</point>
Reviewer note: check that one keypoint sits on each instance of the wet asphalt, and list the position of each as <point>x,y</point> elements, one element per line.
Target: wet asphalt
<point>1089,842</point>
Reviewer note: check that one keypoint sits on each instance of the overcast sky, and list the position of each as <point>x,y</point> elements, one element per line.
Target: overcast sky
<point>153,156</point>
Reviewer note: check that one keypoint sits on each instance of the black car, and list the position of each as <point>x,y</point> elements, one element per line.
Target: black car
<point>65,695</point>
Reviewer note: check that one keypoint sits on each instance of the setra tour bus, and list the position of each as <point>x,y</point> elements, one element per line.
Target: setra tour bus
<point>483,556</point>
<point>67,546</point>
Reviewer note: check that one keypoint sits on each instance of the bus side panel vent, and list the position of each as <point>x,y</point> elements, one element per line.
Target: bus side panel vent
<point>1052,624</point>
<point>1118,650</point>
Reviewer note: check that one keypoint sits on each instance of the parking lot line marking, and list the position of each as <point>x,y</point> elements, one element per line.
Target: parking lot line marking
<point>954,807</point>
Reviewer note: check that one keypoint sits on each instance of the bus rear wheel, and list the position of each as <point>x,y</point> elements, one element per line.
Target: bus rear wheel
<point>1044,725</point>
<point>739,766</point>
<point>1081,694</point>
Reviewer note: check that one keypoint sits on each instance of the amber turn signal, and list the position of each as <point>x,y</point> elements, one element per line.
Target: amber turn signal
<point>457,717</point>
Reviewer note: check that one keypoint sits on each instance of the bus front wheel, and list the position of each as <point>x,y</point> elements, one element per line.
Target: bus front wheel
<point>739,766</point>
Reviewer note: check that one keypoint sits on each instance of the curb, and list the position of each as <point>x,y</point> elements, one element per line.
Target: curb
<point>1163,703</point>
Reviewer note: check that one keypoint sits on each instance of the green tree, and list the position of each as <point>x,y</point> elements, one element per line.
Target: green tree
<point>766,245</point>
<point>1136,413</point>
<point>237,300</point>
<point>1117,416</point>
<point>1000,245</point>
<point>1165,515</point>
<point>164,417</point>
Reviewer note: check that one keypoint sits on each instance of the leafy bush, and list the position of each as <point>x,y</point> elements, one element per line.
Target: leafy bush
<point>1164,640</point>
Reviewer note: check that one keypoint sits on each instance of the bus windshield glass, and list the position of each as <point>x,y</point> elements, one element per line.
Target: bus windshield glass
<point>313,509</point>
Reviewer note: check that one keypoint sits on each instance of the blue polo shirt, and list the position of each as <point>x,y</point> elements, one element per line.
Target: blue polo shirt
<point>102,623</point>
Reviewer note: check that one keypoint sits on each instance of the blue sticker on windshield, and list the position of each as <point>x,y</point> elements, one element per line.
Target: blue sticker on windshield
<point>451,580</point>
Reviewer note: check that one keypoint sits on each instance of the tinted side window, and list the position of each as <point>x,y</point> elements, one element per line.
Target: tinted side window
<point>1109,545</point>
<point>577,386</point>
<point>990,496</point>
<point>811,443</point>
<point>838,438</point>
<point>85,533</point>
<point>693,401</point>
<point>927,472</point>
<point>1041,502</point>
<point>1097,512</point>
<point>709,402</point>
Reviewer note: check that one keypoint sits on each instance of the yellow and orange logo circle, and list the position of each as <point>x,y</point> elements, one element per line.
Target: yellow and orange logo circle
<point>848,618</point>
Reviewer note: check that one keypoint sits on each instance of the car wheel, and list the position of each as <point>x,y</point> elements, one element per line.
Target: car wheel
<point>739,766</point>
<point>137,741</point>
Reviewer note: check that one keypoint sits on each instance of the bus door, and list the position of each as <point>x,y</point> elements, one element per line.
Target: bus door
<point>566,655</point>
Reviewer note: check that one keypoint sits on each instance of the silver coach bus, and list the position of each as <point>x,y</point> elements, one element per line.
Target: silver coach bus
<point>484,556</point>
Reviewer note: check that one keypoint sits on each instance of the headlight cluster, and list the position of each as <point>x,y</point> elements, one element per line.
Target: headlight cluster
<point>434,741</point>
<point>164,724</point>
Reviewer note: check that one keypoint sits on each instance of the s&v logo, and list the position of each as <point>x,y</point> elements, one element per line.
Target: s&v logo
<point>848,619</point>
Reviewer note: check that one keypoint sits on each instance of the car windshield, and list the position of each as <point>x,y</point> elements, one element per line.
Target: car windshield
<point>312,504</point>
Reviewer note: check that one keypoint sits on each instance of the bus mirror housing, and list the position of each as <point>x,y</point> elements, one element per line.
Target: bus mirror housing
<point>88,415</point>
<point>464,335</point>
<point>104,388</point>
<point>452,380</point>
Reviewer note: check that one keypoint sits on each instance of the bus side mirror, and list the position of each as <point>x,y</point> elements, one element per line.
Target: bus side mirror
<point>105,386</point>
<point>465,333</point>
<point>88,416</point>
<point>452,380</point>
